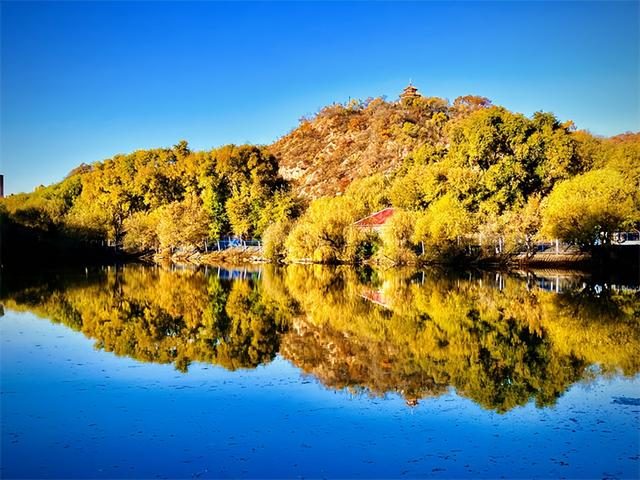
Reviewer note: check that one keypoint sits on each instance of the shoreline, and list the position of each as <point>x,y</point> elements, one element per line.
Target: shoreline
<point>254,255</point>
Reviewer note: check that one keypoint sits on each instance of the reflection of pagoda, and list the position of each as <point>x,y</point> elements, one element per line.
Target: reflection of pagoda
<point>409,92</point>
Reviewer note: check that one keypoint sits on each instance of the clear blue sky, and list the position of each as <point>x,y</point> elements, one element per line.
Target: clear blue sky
<point>83,81</point>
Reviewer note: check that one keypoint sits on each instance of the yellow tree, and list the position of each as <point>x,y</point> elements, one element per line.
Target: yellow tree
<point>588,208</point>
<point>183,224</point>
<point>396,238</point>
<point>445,226</point>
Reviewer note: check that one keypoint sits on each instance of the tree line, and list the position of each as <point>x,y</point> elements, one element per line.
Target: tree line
<point>479,180</point>
<point>496,183</point>
<point>161,199</point>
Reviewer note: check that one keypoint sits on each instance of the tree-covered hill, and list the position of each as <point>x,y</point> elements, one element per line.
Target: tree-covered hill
<point>461,175</point>
<point>341,143</point>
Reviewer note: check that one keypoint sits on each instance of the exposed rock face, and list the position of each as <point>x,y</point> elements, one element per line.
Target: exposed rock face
<point>324,154</point>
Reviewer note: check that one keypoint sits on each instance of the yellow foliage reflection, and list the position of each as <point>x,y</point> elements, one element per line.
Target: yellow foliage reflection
<point>499,340</point>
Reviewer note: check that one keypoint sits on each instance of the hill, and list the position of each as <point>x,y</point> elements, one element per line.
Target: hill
<point>469,179</point>
<point>341,143</point>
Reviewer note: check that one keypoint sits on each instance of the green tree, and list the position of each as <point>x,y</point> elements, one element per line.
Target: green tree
<point>214,195</point>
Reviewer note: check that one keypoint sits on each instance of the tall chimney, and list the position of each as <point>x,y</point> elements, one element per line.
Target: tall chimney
<point>1,186</point>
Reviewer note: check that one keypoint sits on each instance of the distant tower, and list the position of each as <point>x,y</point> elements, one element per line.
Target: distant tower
<point>1,186</point>
<point>409,92</point>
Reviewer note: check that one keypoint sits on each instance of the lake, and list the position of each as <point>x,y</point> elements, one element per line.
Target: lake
<point>310,371</point>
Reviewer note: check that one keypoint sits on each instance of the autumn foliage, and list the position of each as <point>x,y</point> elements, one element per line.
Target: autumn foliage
<point>468,179</point>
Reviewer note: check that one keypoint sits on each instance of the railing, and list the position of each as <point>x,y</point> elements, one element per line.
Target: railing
<point>553,247</point>
<point>229,242</point>
<point>621,238</point>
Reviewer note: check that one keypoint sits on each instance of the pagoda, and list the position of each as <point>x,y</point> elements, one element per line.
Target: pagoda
<point>409,92</point>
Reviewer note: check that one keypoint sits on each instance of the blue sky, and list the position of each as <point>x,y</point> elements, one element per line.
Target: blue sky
<point>82,81</point>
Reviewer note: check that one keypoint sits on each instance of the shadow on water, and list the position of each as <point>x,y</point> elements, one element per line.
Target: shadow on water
<point>500,339</point>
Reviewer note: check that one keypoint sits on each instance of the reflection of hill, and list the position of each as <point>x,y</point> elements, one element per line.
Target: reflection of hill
<point>340,360</point>
<point>487,343</point>
<point>499,342</point>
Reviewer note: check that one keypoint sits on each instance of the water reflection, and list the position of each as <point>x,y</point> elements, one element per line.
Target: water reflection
<point>500,340</point>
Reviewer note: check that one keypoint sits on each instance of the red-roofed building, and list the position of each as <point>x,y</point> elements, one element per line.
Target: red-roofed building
<point>375,221</point>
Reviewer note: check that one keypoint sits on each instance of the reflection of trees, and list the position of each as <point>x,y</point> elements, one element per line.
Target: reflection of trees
<point>501,347</point>
<point>167,317</point>
<point>600,326</point>
<point>487,343</point>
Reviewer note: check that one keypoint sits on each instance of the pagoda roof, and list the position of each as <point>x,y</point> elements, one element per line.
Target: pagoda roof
<point>409,91</point>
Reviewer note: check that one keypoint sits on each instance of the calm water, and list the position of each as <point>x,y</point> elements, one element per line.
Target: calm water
<point>318,372</point>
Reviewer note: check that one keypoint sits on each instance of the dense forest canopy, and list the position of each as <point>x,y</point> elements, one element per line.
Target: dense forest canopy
<point>460,174</point>
<point>162,198</point>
